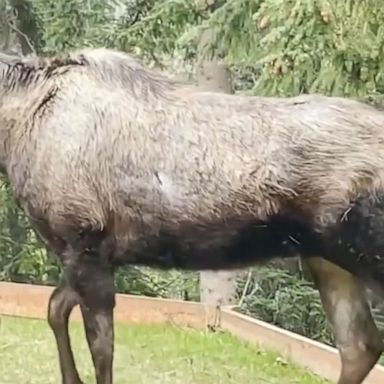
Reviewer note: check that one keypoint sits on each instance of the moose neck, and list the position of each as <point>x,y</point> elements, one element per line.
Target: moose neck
<point>26,83</point>
<point>18,100</point>
<point>8,122</point>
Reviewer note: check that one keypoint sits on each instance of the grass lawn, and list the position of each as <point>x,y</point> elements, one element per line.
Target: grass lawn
<point>144,355</point>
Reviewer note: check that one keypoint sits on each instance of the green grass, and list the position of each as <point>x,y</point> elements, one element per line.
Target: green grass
<point>144,355</point>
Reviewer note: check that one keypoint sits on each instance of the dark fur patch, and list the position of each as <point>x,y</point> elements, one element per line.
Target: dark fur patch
<point>357,242</point>
<point>214,245</point>
<point>22,71</point>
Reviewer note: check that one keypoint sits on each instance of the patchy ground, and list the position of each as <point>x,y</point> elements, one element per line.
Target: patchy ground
<point>144,355</point>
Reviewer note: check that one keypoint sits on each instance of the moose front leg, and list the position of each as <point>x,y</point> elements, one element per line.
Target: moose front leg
<point>60,306</point>
<point>357,337</point>
<point>93,281</point>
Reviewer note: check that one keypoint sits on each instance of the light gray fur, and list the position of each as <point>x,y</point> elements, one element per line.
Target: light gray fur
<point>117,144</point>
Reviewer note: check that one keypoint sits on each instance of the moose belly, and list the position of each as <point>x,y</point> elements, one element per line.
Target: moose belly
<point>355,242</point>
<point>221,244</point>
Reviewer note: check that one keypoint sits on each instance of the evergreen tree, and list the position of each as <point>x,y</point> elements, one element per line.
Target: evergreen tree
<point>281,47</point>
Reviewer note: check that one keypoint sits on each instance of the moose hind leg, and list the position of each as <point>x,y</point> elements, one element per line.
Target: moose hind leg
<point>60,306</point>
<point>357,337</point>
<point>93,282</point>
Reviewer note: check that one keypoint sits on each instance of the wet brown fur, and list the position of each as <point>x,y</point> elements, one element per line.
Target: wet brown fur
<point>117,164</point>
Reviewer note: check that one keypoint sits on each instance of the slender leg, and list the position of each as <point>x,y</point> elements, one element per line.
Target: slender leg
<point>357,337</point>
<point>98,325</point>
<point>95,286</point>
<point>61,303</point>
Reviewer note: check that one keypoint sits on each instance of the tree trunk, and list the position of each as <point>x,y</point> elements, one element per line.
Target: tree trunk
<point>216,288</point>
<point>26,26</point>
